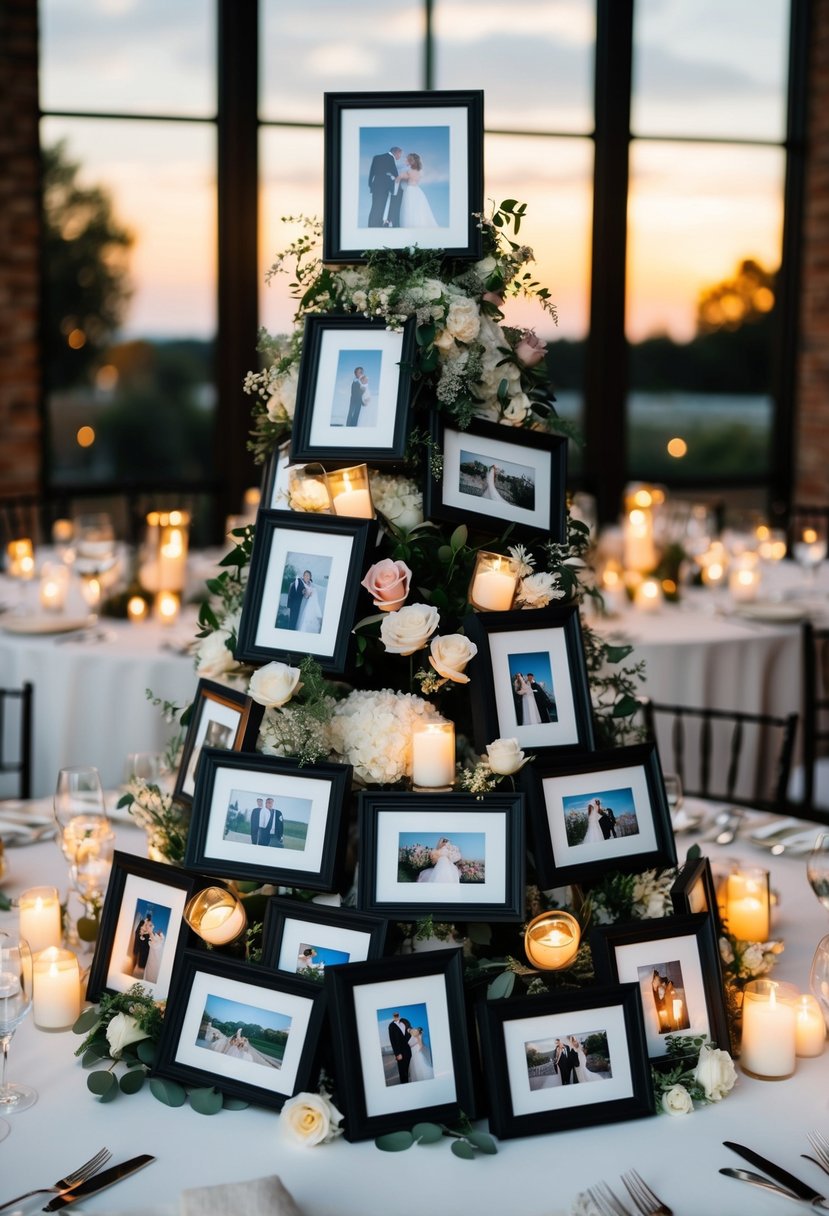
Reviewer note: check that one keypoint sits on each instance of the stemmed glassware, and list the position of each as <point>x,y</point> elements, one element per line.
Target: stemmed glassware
<point>94,556</point>
<point>809,547</point>
<point>15,1003</point>
<point>85,834</point>
<point>819,976</point>
<point>817,869</point>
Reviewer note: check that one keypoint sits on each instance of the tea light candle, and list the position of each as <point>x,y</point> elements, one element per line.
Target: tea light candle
<point>614,594</point>
<point>433,755</point>
<point>810,1028</point>
<point>648,596</point>
<point>552,940</point>
<point>350,493</point>
<point>769,1029</point>
<point>493,583</point>
<point>216,915</point>
<point>20,558</point>
<point>166,607</point>
<point>744,579</point>
<point>136,609</point>
<point>56,989</point>
<point>54,582</point>
<point>40,921</point>
<point>747,905</point>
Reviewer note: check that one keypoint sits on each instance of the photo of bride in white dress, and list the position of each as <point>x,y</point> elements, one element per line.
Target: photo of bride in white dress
<point>498,481</point>
<point>415,211</point>
<point>405,1044</point>
<point>600,816</point>
<point>533,693</point>
<point>304,588</point>
<point>430,857</point>
<point>574,1059</point>
<point>444,868</point>
<point>255,1036</point>
<point>403,179</point>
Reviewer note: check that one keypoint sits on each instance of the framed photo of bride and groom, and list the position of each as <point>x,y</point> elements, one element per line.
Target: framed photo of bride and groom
<point>493,473</point>
<point>403,169</point>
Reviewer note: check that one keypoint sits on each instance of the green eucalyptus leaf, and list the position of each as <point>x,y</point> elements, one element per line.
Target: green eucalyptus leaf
<point>87,928</point>
<point>445,554</point>
<point>94,1053</point>
<point>427,1133</point>
<point>482,1141</point>
<point>394,1142</point>
<point>501,987</point>
<point>458,538</point>
<point>615,654</point>
<point>132,1081</point>
<point>186,714</point>
<point>103,1084</point>
<point>206,1101</point>
<point>86,1021</point>
<point>229,1103</point>
<point>479,933</point>
<point>461,1149</point>
<point>145,1050</point>
<point>125,800</point>
<point>625,706</point>
<point>168,1092</point>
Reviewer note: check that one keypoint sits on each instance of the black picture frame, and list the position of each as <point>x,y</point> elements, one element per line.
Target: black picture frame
<point>315,795</point>
<point>362,1000</point>
<point>220,717</point>
<point>292,926</point>
<point>628,781</point>
<point>359,130</point>
<point>137,886</point>
<point>209,984</point>
<point>532,497</point>
<point>337,421</point>
<point>490,887</point>
<point>694,890</point>
<point>334,551</point>
<point>549,639</point>
<point>686,948</point>
<point>273,491</point>
<point>525,1100</point>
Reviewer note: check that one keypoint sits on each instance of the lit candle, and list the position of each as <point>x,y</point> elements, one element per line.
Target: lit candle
<point>744,579</point>
<point>136,609</point>
<point>20,558</point>
<point>810,1028</point>
<point>493,583</point>
<point>648,596</point>
<point>216,915</point>
<point>172,551</point>
<point>552,940</point>
<point>63,531</point>
<point>350,493</point>
<point>166,607</point>
<point>54,581</point>
<point>747,905</point>
<point>768,1040</point>
<point>639,550</point>
<point>614,594</point>
<point>56,989</point>
<point>677,1009</point>
<point>433,755</point>
<point>40,921</point>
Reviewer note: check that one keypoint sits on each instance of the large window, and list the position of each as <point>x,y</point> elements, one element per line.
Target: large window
<point>693,185</point>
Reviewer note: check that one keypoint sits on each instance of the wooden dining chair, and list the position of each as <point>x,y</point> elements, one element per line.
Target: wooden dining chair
<point>810,782</point>
<point>727,755</point>
<point>16,737</point>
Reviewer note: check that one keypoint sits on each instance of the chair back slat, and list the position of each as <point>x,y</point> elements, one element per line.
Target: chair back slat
<point>815,674</point>
<point>16,744</point>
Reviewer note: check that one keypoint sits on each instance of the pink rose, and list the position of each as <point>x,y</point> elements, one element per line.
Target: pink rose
<point>387,583</point>
<point>530,350</point>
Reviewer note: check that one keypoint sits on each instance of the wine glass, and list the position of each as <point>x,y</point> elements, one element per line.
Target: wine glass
<point>85,833</point>
<point>15,1003</point>
<point>810,546</point>
<point>819,976</point>
<point>817,869</point>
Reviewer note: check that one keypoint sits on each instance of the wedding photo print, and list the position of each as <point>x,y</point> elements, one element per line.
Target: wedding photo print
<point>598,816</point>
<point>431,857</point>
<point>242,1032</point>
<point>304,588</point>
<point>406,176</point>
<point>568,1059</point>
<point>259,819</point>
<point>151,922</point>
<point>308,939</point>
<point>532,686</point>
<point>663,992</point>
<point>405,1044</point>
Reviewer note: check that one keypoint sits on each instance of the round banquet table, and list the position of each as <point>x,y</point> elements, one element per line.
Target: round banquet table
<point>536,1176</point>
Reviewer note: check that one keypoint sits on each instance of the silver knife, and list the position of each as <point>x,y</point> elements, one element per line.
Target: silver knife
<point>766,1185</point>
<point>98,1181</point>
<point>801,1189</point>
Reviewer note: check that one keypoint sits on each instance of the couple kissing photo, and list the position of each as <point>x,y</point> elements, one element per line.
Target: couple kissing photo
<point>404,1040</point>
<point>599,817</point>
<point>406,177</point>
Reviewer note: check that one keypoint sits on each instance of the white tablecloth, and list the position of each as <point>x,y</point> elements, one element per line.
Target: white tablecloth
<point>536,1176</point>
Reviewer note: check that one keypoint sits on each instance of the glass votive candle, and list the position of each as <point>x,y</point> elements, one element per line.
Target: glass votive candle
<point>56,989</point>
<point>772,544</point>
<point>551,940</point>
<point>308,489</point>
<point>748,904</point>
<point>493,582</point>
<point>810,1028</point>
<point>614,593</point>
<point>166,607</point>
<point>172,551</point>
<point>216,915</point>
<point>350,492</point>
<point>136,609</point>
<point>54,584</point>
<point>767,1048</point>
<point>649,596</point>
<point>433,755</point>
<point>40,920</point>
<point>20,558</point>
<point>744,579</point>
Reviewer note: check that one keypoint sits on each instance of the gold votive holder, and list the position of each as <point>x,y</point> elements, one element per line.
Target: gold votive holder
<point>216,915</point>
<point>493,583</point>
<point>20,558</point>
<point>552,940</point>
<point>350,492</point>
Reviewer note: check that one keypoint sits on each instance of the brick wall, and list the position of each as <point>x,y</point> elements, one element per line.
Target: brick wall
<point>812,436</point>
<point>20,425</point>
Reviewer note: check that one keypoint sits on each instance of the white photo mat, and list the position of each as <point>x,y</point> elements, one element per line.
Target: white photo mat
<point>332,341</point>
<point>138,888</point>
<point>541,462</point>
<point>649,954</point>
<point>560,787</point>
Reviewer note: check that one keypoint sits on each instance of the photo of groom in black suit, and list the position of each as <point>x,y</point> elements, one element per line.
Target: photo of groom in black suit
<point>568,1062</point>
<point>399,1038</point>
<point>355,402</point>
<point>381,183</point>
<point>266,822</point>
<point>546,705</point>
<point>296,594</point>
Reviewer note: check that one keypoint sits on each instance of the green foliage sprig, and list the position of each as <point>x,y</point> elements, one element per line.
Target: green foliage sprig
<point>467,1143</point>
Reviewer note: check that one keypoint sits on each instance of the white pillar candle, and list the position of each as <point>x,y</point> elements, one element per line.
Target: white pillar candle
<point>54,583</point>
<point>747,905</point>
<point>136,609</point>
<point>40,921</point>
<point>433,755</point>
<point>769,1029</point>
<point>677,1011</point>
<point>166,607</point>
<point>350,492</point>
<point>56,989</point>
<point>639,549</point>
<point>355,503</point>
<point>810,1028</point>
<point>493,590</point>
<point>648,596</point>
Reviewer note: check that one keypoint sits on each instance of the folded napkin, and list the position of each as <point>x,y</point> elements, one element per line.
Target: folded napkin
<point>259,1197</point>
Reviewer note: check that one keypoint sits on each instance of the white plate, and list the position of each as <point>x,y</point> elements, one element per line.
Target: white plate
<point>770,611</point>
<point>42,624</point>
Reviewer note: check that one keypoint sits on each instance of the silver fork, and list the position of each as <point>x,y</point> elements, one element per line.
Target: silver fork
<point>63,1185</point>
<point>605,1201</point>
<point>647,1203</point>
<point>821,1146</point>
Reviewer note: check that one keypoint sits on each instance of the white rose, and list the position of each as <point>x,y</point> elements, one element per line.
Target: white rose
<point>121,1031</point>
<point>505,756</point>
<point>518,409</point>
<point>360,300</point>
<point>726,952</point>
<point>311,1119</point>
<point>677,1101</point>
<point>485,267</point>
<point>408,629</point>
<point>450,655</point>
<point>463,320</point>
<point>308,494</point>
<point>444,341</point>
<point>212,655</point>
<point>274,684</point>
<point>753,957</point>
<point>715,1072</point>
<point>432,289</point>
<point>537,590</point>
